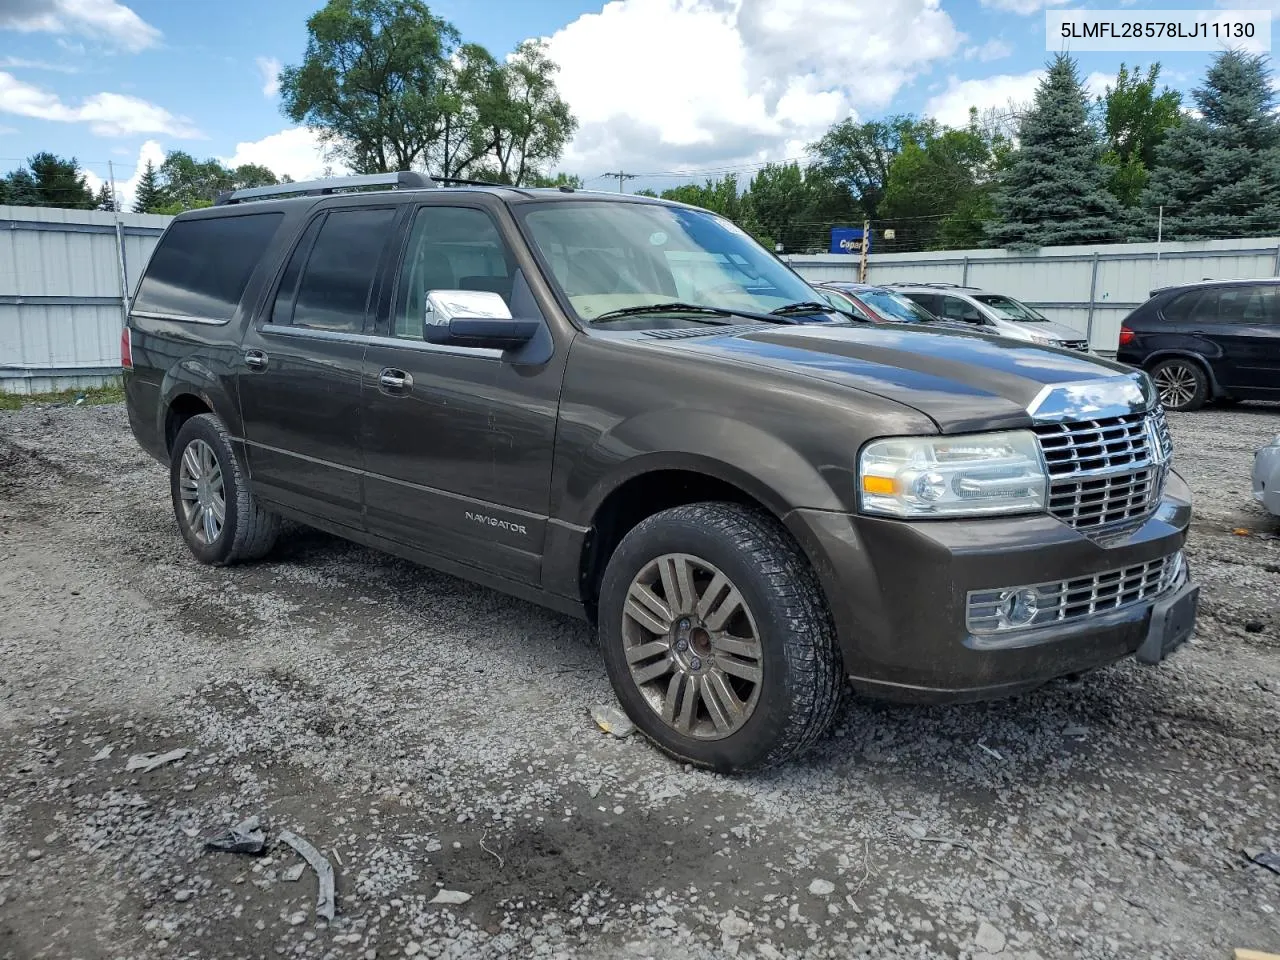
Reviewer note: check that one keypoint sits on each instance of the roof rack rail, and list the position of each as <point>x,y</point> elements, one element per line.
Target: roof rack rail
<point>939,284</point>
<point>402,179</point>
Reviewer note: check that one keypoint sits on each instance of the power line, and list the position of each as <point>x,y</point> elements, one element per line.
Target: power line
<point>620,176</point>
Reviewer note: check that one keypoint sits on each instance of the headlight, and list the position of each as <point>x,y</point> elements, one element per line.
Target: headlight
<point>963,476</point>
<point>1047,341</point>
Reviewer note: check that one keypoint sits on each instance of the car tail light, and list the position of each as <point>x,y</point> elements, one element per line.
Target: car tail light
<point>126,349</point>
<point>1126,336</point>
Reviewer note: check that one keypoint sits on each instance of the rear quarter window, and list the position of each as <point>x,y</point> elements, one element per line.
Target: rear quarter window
<point>201,267</point>
<point>1179,308</point>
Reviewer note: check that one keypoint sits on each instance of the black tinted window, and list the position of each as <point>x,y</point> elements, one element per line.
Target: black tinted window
<point>1181,307</point>
<point>282,310</point>
<point>333,291</point>
<point>450,248</point>
<point>1246,305</point>
<point>201,267</point>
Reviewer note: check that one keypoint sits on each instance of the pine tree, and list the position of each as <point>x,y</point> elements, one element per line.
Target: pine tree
<point>1055,189</point>
<point>149,196</point>
<point>104,200</point>
<point>1218,175</point>
<point>60,182</point>
<point>23,191</point>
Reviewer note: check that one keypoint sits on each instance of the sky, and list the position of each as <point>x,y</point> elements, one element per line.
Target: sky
<point>671,90</point>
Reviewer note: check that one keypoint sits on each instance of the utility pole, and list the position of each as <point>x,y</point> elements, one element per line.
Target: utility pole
<point>866,242</point>
<point>119,231</point>
<point>620,177</point>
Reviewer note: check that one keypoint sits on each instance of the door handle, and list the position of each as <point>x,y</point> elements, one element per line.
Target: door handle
<point>255,360</point>
<point>395,380</point>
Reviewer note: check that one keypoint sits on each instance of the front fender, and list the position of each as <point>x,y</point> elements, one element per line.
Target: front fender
<point>759,463</point>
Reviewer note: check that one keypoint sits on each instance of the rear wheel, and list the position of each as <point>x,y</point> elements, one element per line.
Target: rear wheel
<point>1181,383</point>
<point>215,509</point>
<point>717,638</point>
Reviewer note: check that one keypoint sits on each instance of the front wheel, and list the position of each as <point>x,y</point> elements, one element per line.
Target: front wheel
<point>1181,383</point>
<point>717,639</point>
<point>215,509</point>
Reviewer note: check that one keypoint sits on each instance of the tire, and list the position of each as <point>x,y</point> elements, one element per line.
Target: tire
<point>790,647</point>
<point>202,449</point>
<point>1181,383</point>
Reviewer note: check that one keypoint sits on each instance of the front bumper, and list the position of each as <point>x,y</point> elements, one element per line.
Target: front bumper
<point>898,593</point>
<point>1266,477</point>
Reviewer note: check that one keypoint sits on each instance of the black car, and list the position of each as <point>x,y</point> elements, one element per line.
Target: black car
<point>1214,340</point>
<point>627,410</point>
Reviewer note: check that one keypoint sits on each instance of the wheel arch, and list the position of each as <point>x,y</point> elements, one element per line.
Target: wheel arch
<point>1170,353</point>
<point>191,387</point>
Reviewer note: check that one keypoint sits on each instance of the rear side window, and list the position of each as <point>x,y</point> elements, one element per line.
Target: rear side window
<point>331,292</point>
<point>201,267</point>
<point>1179,309</point>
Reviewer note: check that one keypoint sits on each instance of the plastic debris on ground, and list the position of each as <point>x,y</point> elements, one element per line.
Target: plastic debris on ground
<point>612,720</point>
<point>245,837</point>
<point>453,897</point>
<point>146,762</point>
<point>322,867</point>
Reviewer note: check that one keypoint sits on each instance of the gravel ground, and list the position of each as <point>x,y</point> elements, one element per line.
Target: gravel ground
<point>426,734</point>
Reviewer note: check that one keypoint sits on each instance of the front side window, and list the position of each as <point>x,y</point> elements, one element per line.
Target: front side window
<point>608,256</point>
<point>202,266</point>
<point>1008,308</point>
<point>953,308</point>
<point>450,248</point>
<point>1246,306</point>
<point>341,251</point>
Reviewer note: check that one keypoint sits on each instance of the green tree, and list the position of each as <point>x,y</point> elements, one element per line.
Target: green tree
<point>857,156</point>
<point>22,189</point>
<point>1218,175</point>
<point>469,83</point>
<point>939,192</point>
<point>1136,118</point>
<point>105,199</point>
<point>149,197</point>
<point>1055,188</point>
<point>796,207</point>
<point>557,180</point>
<point>528,124</point>
<point>60,182</point>
<point>374,81</point>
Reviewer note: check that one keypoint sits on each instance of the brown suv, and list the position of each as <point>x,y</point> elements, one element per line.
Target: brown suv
<point>629,411</point>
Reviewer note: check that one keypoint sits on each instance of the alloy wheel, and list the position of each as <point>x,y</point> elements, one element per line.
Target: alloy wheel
<point>1177,384</point>
<point>692,646</point>
<point>204,499</point>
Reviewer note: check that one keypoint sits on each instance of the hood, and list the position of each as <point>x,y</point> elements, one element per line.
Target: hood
<point>1041,328</point>
<point>962,381</point>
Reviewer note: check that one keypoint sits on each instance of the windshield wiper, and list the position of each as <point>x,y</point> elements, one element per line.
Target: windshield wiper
<point>804,306</point>
<point>677,306</point>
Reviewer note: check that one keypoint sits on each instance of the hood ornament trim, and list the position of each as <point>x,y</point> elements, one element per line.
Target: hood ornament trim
<point>1116,396</point>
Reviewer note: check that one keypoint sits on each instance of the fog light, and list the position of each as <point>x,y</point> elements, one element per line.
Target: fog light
<point>1019,608</point>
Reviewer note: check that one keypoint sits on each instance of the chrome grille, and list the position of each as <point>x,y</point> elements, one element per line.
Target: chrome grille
<point>1068,600</point>
<point>1082,345</point>
<point>1106,475</point>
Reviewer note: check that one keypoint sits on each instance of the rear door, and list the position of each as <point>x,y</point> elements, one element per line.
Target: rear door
<point>301,365</point>
<point>1247,331</point>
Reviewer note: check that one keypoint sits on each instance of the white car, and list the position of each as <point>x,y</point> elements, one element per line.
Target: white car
<point>991,313</point>
<point>1266,476</point>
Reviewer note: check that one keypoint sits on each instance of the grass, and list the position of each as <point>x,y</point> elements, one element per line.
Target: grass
<point>112,393</point>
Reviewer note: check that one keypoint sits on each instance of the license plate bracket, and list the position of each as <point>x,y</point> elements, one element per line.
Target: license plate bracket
<point>1173,619</point>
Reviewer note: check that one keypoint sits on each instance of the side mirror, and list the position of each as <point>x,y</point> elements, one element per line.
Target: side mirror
<point>474,318</point>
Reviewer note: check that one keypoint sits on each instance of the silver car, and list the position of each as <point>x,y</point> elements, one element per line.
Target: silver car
<point>993,312</point>
<point>1266,476</point>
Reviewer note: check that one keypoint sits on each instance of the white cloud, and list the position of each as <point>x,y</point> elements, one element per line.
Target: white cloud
<point>127,189</point>
<point>269,67</point>
<point>296,152</point>
<point>105,20</point>
<point>1023,7</point>
<point>108,114</point>
<point>18,63</point>
<point>993,49</point>
<point>951,107</point>
<point>739,81</point>
<point>1096,83</point>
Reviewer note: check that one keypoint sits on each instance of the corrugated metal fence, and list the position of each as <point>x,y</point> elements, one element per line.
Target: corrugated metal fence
<point>64,278</point>
<point>1088,288</point>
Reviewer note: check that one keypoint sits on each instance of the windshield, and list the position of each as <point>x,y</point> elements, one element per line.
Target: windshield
<point>1010,309</point>
<point>897,307</point>
<point>614,256</point>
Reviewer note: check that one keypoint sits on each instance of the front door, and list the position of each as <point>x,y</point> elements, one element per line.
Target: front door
<point>302,362</point>
<point>457,441</point>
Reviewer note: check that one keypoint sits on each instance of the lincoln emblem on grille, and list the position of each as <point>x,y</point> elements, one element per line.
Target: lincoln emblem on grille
<point>1107,449</point>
